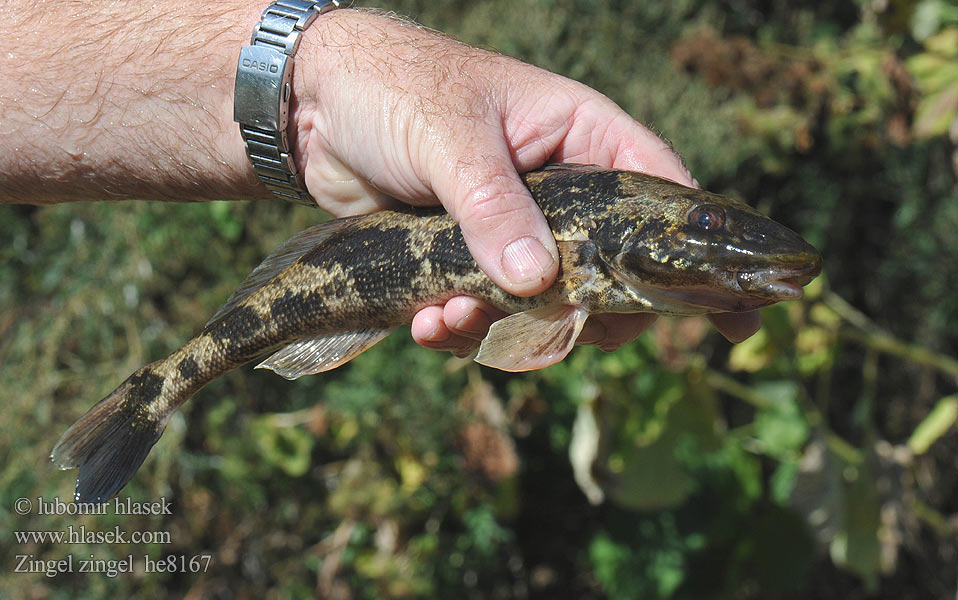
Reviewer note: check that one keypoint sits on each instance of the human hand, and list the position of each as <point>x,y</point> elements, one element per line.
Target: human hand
<point>386,109</point>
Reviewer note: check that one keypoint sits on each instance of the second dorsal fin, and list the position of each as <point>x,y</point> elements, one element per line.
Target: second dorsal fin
<point>279,259</point>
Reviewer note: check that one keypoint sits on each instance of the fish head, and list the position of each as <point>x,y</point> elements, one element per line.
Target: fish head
<point>693,252</point>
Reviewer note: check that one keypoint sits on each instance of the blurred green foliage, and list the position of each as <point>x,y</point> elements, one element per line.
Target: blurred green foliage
<point>814,460</point>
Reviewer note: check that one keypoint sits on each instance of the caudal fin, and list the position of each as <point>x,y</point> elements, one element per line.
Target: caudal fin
<point>111,441</point>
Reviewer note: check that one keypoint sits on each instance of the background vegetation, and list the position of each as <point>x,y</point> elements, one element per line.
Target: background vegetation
<point>815,460</point>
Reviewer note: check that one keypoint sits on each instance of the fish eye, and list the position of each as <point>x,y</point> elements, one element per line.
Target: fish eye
<point>708,217</point>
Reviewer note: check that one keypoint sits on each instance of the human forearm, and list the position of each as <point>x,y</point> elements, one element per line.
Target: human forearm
<point>105,100</point>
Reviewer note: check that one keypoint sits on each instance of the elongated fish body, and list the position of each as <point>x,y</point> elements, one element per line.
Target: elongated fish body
<point>628,243</point>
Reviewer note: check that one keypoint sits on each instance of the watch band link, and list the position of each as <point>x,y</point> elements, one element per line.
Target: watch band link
<point>263,85</point>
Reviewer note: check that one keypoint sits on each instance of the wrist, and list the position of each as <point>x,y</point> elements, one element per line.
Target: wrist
<point>323,58</point>
<point>263,93</point>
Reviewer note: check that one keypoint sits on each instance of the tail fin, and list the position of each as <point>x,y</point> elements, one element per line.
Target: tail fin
<point>111,441</point>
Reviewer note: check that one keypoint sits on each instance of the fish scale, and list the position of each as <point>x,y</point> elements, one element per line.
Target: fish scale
<point>628,243</point>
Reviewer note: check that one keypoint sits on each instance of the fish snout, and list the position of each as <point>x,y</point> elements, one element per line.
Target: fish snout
<point>785,279</point>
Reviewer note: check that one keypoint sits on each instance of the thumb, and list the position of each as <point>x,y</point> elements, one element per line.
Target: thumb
<point>504,229</point>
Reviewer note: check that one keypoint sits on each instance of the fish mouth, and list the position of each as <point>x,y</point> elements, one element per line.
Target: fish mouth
<point>734,290</point>
<point>742,291</point>
<point>777,284</point>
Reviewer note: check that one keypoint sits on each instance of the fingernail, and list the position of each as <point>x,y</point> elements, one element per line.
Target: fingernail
<point>438,335</point>
<point>525,259</point>
<point>476,323</point>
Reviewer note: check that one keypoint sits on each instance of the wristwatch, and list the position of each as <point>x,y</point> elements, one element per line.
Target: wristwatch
<point>263,85</point>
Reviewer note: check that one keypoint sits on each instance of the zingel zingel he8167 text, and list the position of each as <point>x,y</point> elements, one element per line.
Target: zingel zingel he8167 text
<point>27,563</point>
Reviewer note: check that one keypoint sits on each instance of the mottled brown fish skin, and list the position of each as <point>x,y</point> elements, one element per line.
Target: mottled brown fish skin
<point>382,268</point>
<point>629,233</point>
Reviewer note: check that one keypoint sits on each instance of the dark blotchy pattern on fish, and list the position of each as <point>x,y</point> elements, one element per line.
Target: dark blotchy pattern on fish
<point>236,332</point>
<point>626,241</point>
<point>188,368</point>
<point>145,387</point>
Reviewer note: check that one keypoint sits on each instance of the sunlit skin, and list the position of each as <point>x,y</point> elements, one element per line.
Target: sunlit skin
<point>375,118</point>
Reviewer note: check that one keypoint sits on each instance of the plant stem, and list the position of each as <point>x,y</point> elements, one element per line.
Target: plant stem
<point>875,338</point>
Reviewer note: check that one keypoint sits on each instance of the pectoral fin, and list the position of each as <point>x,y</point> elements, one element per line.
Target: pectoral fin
<point>533,339</point>
<point>308,357</point>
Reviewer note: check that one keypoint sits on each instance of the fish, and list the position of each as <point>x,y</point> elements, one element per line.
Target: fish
<point>628,243</point>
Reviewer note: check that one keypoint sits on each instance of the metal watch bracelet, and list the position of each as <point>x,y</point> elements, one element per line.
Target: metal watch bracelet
<point>263,85</point>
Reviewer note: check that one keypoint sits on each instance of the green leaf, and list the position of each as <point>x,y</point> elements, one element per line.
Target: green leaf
<point>814,349</point>
<point>224,219</point>
<point>486,533</point>
<point>780,426</point>
<point>783,481</point>
<point>654,476</point>
<point>753,354</point>
<point>412,473</point>
<point>944,42</point>
<point>288,448</point>
<point>935,425</point>
<point>652,567</point>
<point>650,478</point>
<point>936,112</point>
<point>856,547</point>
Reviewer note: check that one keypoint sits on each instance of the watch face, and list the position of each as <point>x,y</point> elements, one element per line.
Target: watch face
<point>261,95</point>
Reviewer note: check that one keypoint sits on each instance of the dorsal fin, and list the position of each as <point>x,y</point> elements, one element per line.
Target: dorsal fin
<point>282,257</point>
